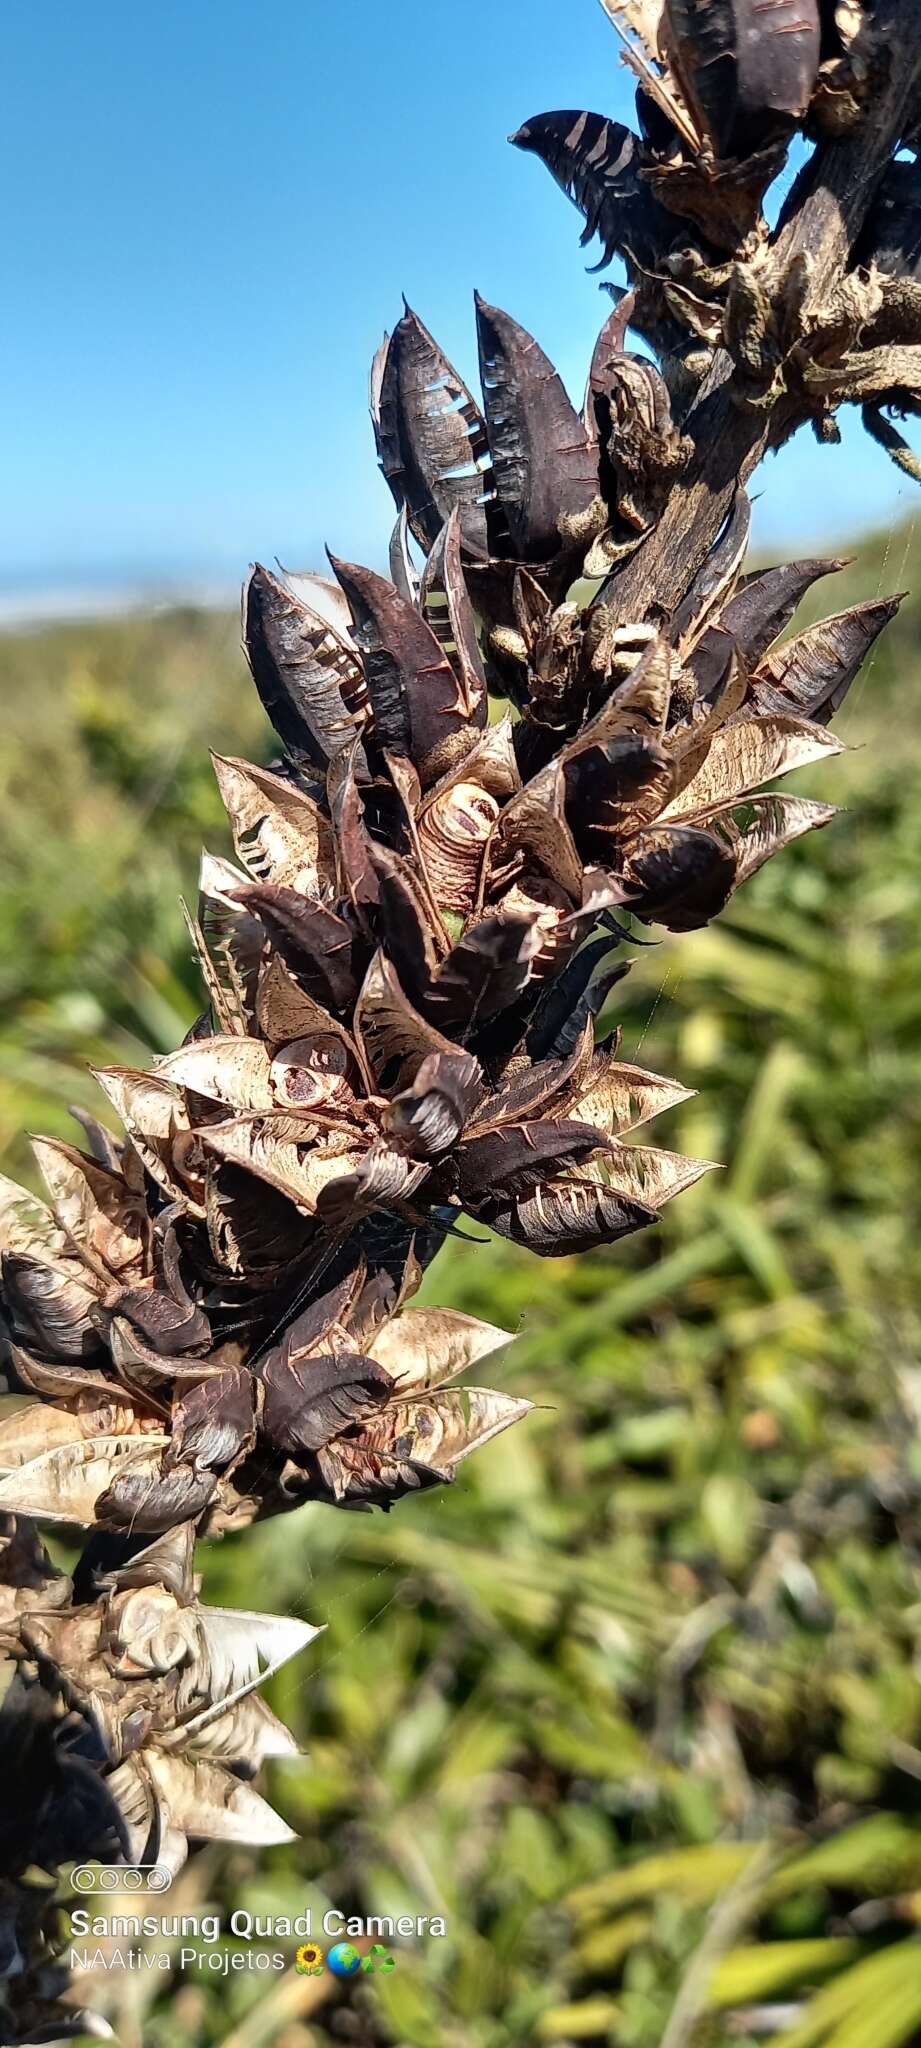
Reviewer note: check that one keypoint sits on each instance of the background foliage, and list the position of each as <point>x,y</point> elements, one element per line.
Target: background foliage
<point>635,1705</point>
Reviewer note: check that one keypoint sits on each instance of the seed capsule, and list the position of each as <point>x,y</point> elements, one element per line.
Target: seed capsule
<point>452,836</point>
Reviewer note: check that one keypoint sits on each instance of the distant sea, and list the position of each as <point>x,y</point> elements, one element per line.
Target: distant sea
<point>35,604</point>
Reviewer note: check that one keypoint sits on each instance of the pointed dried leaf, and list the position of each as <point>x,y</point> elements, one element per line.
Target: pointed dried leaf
<point>491,764</point>
<point>51,1304</point>
<point>317,940</point>
<point>427,1118</point>
<point>26,1224</point>
<point>607,351</point>
<point>743,66</point>
<point>228,943</point>
<point>534,829</point>
<point>248,1732</point>
<point>166,1314</point>
<point>547,1083</point>
<point>33,1430</point>
<point>155,1501</point>
<point>220,880</point>
<point>148,1107</point>
<point>777,55</point>
<point>240,1650</point>
<point>57,1381</point>
<point>214,1420</point>
<point>639,706</point>
<point>615,789</point>
<point>437,1431</point>
<point>765,603</point>
<point>356,879</point>
<point>307,1402</point>
<point>384,1177</point>
<point>403,571</point>
<point>772,823</point>
<point>285,1012</point>
<point>571,999</point>
<point>406,920</point>
<point>485,972</point>
<point>643,1174</point>
<point>715,579</point>
<point>679,876</point>
<point>254,1233</point>
<point>323,597</point>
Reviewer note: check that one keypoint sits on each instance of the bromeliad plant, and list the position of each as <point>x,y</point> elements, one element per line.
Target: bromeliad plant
<point>429,908</point>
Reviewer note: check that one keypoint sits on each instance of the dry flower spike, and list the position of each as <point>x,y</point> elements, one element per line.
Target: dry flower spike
<point>429,907</point>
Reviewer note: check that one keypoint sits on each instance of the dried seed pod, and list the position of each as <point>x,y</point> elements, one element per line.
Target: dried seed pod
<point>545,468</point>
<point>597,163</point>
<point>813,672</point>
<point>302,670</point>
<point>279,832</point>
<point>679,876</point>
<point>454,626</point>
<point>564,1217</point>
<point>317,941</point>
<point>745,68</point>
<point>431,437</point>
<point>486,971</point>
<point>417,705</point>
<point>453,834</point>
<point>51,1307</point>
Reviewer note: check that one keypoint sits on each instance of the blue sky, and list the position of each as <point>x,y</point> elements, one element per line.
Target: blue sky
<point>211,212</point>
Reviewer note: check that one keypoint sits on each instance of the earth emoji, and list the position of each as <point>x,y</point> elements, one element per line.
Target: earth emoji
<point>344,1959</point>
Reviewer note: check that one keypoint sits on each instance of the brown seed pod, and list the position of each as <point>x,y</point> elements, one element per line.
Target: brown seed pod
<point>453,833</point>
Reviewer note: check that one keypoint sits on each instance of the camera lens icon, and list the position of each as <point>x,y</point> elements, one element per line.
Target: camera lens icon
<point>121,1877</point>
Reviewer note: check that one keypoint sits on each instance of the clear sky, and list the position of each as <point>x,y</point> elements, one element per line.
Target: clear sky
<point>211,210</point>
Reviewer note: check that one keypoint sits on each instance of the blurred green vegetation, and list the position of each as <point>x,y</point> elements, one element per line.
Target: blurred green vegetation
<point>635,1704</point>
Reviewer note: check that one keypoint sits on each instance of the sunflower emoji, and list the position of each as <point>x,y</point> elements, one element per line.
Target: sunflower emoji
<point>309,1959</point>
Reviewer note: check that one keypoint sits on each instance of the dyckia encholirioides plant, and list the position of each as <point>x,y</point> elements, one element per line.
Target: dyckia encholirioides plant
<point>428,910</point>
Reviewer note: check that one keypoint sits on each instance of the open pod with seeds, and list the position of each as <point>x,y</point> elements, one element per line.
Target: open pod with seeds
<point>564,714</point>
